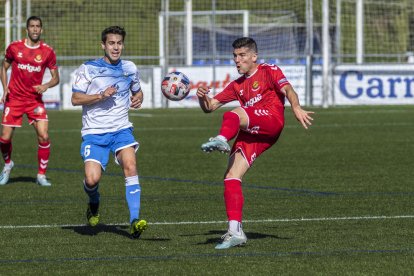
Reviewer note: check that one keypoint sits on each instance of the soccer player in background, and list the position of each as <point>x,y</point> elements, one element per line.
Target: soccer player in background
<point>107,88</point>
<point>28,59</point>
<point>256,124</point>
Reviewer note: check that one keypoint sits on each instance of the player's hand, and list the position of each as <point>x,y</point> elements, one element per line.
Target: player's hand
<point>137,99</point>
<point>5,93</point>
<point>303,116</point>
<point>40,89</point>
<point>108,92</point>
<point>202,91</point>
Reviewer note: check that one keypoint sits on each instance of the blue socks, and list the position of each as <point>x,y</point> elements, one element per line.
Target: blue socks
<point>133,196</point>
<point>93,193</point>
<point>132,193</point>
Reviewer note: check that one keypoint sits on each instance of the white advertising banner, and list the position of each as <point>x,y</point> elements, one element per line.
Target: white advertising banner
<point>374,84</point>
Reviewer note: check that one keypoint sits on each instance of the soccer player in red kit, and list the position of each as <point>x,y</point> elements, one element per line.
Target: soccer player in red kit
<point>257,123</point>
<point>28,59</point>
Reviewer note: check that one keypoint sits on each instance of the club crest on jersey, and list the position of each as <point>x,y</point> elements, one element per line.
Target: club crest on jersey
<point>255,86</point>
<point>38,58</point>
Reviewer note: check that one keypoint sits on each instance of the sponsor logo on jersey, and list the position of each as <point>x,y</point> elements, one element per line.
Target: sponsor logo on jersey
<point>29,67</point>
<point>19,54</point>
<point>241,92</point>
<point>38,58</point>
<point>254,100</point>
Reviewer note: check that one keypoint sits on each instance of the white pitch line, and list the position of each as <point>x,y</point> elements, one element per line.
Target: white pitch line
<point>139,129</point>
<point>216,222</point>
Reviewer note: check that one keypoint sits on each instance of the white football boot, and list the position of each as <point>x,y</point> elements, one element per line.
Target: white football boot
<point>216,143</point>
<point>42,180</point>
<point>5,174</point>
<point>231,239</point>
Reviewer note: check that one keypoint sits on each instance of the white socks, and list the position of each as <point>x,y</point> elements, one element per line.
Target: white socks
<point>235,227</point>
<point>221,137</point>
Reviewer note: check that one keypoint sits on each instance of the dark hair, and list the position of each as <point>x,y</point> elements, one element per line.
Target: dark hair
<point>34,18</point>
<point>113,30</point>
<point>245,42</point>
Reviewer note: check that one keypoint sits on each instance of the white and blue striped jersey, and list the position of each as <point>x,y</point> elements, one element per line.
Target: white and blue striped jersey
<point>110,115</point>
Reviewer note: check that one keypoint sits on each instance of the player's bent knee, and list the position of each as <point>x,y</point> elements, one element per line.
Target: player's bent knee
<point>43,138</point>
<point>91,180</point>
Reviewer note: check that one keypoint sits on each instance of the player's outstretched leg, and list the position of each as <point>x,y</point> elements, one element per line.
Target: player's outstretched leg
<point>231,239</point>
<point>137,227</point>
<point>218,143</point>
<point>5,174</point>
<point>42,180</point>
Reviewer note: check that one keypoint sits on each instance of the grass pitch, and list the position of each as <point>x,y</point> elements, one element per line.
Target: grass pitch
<point>337,198</point>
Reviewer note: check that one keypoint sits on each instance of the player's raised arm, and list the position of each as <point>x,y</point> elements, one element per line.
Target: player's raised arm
<point>207,104</point>
<point>301,115</point>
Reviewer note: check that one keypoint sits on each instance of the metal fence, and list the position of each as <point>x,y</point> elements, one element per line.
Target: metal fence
<point>170,33</point>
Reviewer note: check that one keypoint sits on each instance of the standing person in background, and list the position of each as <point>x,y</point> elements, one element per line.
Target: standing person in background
<point>28,59</point>
<point>103,88</point>
<point>256,124</point>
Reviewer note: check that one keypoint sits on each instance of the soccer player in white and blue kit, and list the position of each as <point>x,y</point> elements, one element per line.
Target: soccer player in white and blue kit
<point>107,88</point>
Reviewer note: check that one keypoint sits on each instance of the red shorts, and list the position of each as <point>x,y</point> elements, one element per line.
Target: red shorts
<point>264,128</point>
<point>14,110</point>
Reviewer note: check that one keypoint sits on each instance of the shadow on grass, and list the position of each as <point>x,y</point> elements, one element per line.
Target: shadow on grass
<point>21,179</point>
<point>250,236</point>
<point>123,231</point>
<point>87,230</point>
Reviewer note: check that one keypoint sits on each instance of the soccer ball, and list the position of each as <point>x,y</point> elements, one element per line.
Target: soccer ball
<point>175,86</point>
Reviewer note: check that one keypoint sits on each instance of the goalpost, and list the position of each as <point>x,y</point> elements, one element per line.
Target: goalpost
<point>186,20</point>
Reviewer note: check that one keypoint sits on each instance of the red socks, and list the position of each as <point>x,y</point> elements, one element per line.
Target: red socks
<point>230,125</point>
<point>233,198</point>
<point>6,150</point>
<point>43,153</point>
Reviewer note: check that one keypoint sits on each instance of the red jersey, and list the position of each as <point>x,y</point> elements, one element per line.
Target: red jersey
<point>261,89</point>
<point>28,67</point>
